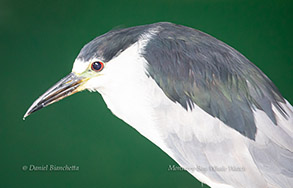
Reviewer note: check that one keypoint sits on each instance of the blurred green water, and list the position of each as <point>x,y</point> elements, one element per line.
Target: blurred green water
<point>39,42</point>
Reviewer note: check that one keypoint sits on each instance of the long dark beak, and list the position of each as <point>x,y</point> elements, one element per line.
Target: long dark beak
<point>65,87</point>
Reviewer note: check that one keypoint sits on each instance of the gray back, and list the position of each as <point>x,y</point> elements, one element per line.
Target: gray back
<point>192,67</point>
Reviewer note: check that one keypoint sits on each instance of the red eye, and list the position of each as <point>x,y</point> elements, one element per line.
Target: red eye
<point>97,66</point>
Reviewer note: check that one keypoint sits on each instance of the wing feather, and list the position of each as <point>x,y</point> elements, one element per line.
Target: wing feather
<point>192,67</point>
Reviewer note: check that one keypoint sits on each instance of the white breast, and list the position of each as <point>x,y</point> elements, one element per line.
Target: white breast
<point>130,94</point>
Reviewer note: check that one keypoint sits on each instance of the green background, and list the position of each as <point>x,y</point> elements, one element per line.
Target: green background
<point>39,41</point>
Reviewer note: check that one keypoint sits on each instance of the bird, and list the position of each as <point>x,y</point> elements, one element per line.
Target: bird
<point>198,99</point>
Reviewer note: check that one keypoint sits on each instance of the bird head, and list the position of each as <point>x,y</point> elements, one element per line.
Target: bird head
<point>95,66</point>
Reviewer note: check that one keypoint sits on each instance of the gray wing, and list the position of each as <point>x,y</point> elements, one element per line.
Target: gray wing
<point>199,71</point>
<point>192,67</point>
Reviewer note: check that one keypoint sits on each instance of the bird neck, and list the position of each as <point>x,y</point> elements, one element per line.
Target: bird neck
<point>131,95</point>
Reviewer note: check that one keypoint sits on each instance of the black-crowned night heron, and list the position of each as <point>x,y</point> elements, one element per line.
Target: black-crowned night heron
<point>198,99</point>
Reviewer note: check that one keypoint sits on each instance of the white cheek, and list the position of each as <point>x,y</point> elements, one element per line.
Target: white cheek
<point>79,66</point>
<point>95,84</point>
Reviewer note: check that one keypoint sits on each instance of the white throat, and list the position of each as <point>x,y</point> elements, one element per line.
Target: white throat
<point>130,94</point>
